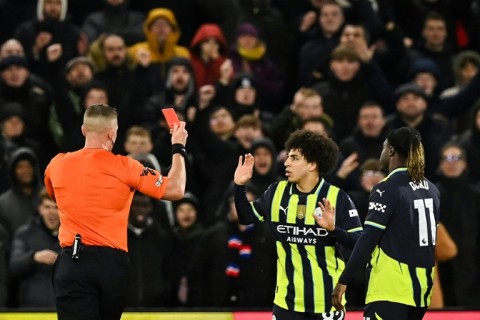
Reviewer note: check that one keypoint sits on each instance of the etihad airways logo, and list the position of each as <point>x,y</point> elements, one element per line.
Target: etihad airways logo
<point>303,235</point>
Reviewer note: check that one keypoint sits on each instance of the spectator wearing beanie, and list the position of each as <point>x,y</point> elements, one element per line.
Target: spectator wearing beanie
<point>425,73</point>
<point>13,128</point>
<point>265,167</point>
<point>18,84</point>
<point>411,105</point>
<point>249,54</point>
<point>187,233</point>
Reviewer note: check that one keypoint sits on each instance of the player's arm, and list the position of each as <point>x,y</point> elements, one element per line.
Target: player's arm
<point>243,174</point>
<point>245,212</point>
<point>382,201</point>
<point>347,226</point>
<point>358,259</point>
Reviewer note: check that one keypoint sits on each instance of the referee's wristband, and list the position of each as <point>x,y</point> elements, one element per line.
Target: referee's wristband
<point>179,148</point>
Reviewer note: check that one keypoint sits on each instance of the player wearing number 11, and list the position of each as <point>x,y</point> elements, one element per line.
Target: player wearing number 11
<point>399,235</point>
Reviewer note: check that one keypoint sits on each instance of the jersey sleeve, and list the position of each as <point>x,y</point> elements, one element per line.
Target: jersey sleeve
<point>381,204</point>
<point>47,178</point>
<point>347,215</point>
<point>348,227</point>
<point>146,180</point>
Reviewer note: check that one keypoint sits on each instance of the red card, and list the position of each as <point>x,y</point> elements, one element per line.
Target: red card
<point>170,116</point>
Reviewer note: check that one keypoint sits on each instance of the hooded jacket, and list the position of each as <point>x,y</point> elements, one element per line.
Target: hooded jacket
<point>63,32</point>
<point>36,288</point>
<point>207,72</point>
<point>171,49</point>
<point>16,207</point>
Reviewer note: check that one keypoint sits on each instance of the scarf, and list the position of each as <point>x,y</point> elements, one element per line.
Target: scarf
<point>256,53</point>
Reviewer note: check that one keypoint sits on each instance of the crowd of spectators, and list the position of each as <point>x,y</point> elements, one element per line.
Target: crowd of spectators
<point>243,74</point>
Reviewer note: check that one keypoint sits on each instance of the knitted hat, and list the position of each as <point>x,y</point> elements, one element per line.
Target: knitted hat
<point>189,198</point>
<point>243,80</point>
<point>72,62</point>
<point>423,65</point>
<point>13,61</point>
<point>410,88</point>
<point>264,143</point>
<point>10,109</point>
<point>247,29</point>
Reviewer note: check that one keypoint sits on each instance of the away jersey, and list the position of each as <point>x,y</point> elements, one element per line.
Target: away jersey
<point>402,263</point>
<point>309,262</point>
<point>94,189</point>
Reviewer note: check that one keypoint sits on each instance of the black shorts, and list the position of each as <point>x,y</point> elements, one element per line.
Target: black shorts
<point>386,310</point>
<point>94,287</point>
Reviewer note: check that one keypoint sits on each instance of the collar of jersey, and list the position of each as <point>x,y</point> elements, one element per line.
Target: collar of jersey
<point>317,191</point>
<point>402,169</point>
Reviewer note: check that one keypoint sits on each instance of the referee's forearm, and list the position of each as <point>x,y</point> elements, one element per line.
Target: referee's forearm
<point>177,178</point>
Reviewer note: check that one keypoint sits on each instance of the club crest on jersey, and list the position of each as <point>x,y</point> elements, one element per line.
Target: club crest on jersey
<point>377,206</point>
<point>146,171</point>
<point>301,211</point>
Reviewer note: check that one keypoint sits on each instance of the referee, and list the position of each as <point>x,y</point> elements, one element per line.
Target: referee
<point>399,236</point>
<point>93,189</point>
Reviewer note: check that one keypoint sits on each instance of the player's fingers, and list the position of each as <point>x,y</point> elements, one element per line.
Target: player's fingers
<point>240,160</point>
<point>327,204</point>
<point>337,302</point>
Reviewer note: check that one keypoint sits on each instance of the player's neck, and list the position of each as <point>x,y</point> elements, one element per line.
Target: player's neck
<point>308,183</point>
<point>397,164</point>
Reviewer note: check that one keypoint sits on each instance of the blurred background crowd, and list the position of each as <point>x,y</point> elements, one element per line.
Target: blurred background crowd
<point>243,74</point>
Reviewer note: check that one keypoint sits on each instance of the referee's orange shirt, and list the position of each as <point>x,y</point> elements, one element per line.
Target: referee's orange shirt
<point>93,189</point>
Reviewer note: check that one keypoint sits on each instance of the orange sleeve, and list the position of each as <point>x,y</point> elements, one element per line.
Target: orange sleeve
<point>146,180</point>
<point>48,182</point>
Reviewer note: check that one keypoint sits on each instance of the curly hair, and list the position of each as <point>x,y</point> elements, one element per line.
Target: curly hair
<point>315,148</point>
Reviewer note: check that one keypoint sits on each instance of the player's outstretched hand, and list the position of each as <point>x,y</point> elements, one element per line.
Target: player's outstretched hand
<point>324,214</point>
<point>244,170</point>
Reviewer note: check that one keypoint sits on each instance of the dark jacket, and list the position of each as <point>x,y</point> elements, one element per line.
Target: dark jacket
<point>460,276</point>
<point>434,133</point>
<point>149,252</point>
<point>185,244</point>
<point>215,163</point>
<point>36,98</point>
<point>3,265</point>
<point>115,19</point>
<point>63,32</point>
<point>342,99</point>
<point>36,288</point>
<point>16,207</point>
<point>470,141</point>
<point>210,286</point>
